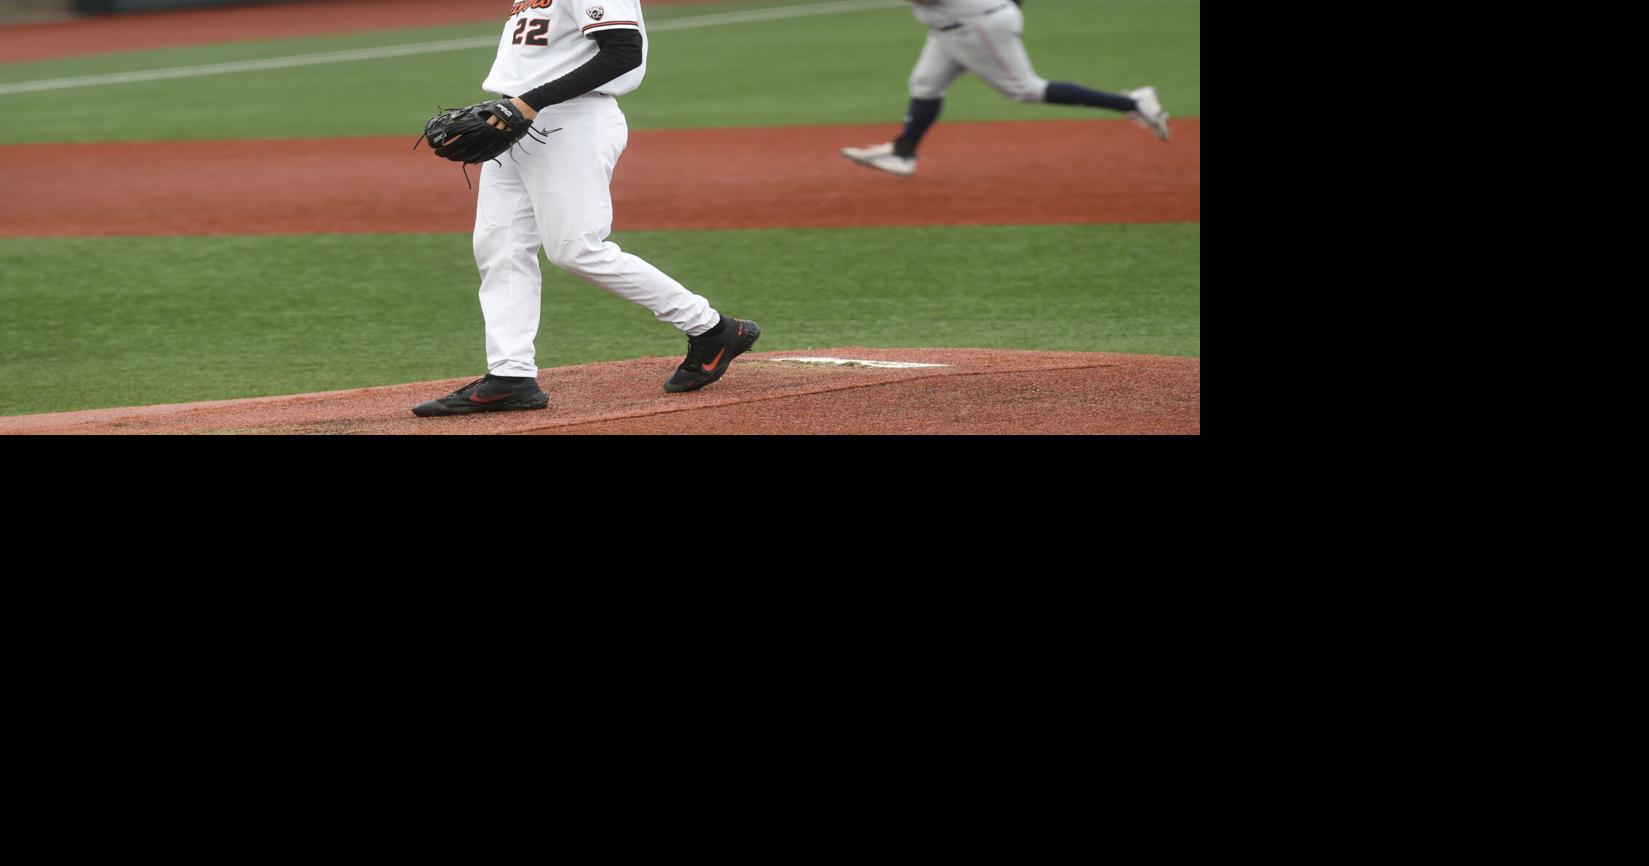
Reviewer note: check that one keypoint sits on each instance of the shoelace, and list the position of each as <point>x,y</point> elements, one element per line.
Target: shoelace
<point>697,349</point>
<point>468,387</point>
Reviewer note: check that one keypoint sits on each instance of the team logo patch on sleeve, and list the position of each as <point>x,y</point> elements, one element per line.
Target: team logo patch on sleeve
<point>596,12</point>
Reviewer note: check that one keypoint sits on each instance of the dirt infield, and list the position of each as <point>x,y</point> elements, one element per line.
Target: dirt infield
<point>139,31</point>
<point>978,391</point>
<point>1001,173</point>
<point>1043,172</point>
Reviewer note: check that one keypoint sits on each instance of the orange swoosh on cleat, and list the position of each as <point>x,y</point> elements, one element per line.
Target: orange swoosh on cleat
<point>716,360</point>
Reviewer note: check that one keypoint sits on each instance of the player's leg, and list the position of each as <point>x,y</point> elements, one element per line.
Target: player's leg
<point>568,179</point>
<point>506,246</point>
<point>929,80</point>
<point>1066,93</point>
<point>506,243</point>
<point>992,47</point>
<point>1140,105</point>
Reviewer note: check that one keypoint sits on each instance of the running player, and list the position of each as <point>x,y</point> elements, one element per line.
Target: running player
<point>983,37</point>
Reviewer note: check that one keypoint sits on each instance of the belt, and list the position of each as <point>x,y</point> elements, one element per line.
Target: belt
<point>949,27</point>
<point>597,92</point>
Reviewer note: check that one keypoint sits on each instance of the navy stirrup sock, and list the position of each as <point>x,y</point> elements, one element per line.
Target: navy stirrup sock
<point>1065,93</point>
<point>922,114</point>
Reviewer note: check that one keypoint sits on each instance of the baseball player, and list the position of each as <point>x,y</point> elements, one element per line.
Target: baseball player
<point>562,64</point>
<point>983,37</point>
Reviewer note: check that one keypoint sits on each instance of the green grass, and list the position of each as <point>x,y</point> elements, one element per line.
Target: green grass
<point>841,68</point>
<point>98,322</point>
<point>853,68</point>
<point>87,323</point>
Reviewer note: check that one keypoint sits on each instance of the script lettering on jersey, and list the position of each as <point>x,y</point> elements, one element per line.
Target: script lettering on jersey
<point>519,8</point>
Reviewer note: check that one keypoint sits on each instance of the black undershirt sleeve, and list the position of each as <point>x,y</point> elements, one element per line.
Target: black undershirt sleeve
<point>620,52</point>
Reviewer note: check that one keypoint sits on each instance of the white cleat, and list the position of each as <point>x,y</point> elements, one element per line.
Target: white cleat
<point>881,156</point>
<point>1150,114</point>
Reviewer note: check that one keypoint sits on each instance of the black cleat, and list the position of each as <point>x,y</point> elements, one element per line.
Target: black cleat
<point>708,357</point>
<point>487,394</point>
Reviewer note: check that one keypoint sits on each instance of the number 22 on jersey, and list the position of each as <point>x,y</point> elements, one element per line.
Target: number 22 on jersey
<point>532,31</point>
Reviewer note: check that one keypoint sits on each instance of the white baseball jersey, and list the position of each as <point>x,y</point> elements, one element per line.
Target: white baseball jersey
<point>546,39</point>
<point>932,12</point>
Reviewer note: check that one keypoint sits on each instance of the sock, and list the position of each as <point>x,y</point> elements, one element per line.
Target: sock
<point>510,380</point>
<point>716,329</point>
<point>922,114</point>
<point>1065,93</point>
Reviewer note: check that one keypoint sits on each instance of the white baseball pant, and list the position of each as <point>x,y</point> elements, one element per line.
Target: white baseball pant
<point>988,45</point>
<point>555,196</point>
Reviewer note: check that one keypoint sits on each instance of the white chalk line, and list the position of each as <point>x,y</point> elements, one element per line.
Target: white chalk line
<point>414,49</point>
<point>849,362</point>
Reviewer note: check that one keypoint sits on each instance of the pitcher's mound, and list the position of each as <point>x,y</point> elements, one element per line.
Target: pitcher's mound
<point>833,391</point>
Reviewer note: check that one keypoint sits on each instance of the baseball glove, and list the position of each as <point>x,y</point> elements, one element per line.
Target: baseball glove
<point>464,135</point>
